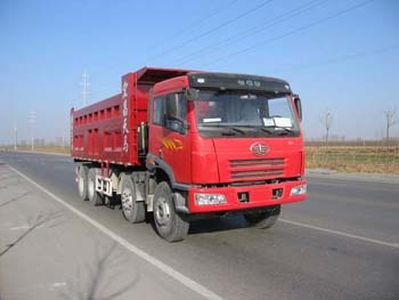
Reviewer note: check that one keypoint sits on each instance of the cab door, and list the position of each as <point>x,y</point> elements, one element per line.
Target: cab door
<point>168,136</point>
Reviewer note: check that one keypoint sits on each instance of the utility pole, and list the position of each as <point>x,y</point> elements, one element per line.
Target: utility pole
<point>15,136</point>
<point>85,86</point>
<point>327,119</point>
<point>32,120</point>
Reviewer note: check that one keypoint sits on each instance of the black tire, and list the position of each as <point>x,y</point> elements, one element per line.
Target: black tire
<point>132,210</point>
<point>169,224</point>
<point>265,219</point>
<point>94,197</point>
<point>82,182</point>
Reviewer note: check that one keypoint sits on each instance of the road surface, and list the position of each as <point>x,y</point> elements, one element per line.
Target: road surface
<point>342,243</point>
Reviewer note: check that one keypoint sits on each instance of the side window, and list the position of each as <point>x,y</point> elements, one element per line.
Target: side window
<point>170,111</point>
<point>175,112</point>
<point>176,107</point>
<point>159,108</point>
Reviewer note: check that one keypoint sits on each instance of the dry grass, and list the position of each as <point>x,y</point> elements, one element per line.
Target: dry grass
<point>365,159</point>
<point>43,149</point>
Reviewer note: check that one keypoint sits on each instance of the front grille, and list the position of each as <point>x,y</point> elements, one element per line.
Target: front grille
<point>249,169</point>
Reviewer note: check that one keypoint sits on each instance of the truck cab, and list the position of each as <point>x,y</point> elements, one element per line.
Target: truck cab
<point>227,143</point>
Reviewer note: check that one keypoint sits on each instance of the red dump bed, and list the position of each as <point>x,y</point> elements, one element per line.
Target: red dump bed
<point>107,130</point>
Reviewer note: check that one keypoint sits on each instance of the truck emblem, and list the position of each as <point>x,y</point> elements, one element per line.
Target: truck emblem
<point>259,148</point>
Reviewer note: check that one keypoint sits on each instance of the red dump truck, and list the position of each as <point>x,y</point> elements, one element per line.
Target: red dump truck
<point>178,145</point>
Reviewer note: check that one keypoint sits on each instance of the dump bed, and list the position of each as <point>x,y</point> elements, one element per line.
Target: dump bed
<point>107,131</point>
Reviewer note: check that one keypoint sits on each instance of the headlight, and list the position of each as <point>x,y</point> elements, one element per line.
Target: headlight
<point>298,190</point>
<point>209,199</point>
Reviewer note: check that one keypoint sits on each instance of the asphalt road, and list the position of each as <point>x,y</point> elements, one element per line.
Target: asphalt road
<point>342,243</point>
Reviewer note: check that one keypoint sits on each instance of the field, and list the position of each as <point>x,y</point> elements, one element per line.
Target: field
<point>346,157</point>
<point>44,149</point>
<point>355,158</point>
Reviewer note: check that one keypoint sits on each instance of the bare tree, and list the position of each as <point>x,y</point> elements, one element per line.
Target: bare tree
<point>391,119</point>
<point>327,120</point>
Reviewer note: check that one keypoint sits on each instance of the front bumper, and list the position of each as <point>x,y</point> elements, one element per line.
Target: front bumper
<point>258,196</point>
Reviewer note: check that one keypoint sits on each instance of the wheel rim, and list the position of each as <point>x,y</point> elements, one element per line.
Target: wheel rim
<point>127,202</point>
<point>162,212</point>
<point>91,189</point>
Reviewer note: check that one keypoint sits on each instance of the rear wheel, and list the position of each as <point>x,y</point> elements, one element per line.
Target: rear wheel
<point>133,211</point>
<point>265,219</point>
<point>82,182</point>
<point>169,224</point>
<point>95,198</point>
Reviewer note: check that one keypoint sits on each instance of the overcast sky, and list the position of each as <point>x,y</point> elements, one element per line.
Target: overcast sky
<point>338,55</point>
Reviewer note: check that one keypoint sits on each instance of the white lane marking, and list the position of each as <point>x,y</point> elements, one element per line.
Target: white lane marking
<point>352,236</point>
<point>19,227</point>
<point>188,282</point>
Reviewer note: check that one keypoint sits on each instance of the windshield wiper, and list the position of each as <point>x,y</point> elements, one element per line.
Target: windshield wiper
<point>266,130</point>
<point>258,128</point>
<point>284,131</point>
<point>232,128</point>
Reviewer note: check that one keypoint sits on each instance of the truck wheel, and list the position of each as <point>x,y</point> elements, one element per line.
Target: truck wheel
<point>264,219</point>
<point>133,211</point>
<point>82,182</point>
<point>95,198</point>
<point>168,223</point>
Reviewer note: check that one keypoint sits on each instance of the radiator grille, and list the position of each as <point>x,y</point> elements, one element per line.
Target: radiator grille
<point>256,168</point>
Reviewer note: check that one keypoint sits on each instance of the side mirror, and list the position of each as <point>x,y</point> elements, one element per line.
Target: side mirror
<point>298,106</point>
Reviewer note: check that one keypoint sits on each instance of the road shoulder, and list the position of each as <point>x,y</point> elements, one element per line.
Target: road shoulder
<point>47,252</point>
<point>361,177</point>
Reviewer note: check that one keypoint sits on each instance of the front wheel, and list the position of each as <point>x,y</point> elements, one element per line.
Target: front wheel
<point>264,219</point>
<point>169,224</point>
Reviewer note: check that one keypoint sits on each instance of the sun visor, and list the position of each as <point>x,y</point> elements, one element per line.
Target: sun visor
<point>225,81</point>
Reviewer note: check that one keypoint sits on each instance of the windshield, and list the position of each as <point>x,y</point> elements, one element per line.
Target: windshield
<point>237,113</point>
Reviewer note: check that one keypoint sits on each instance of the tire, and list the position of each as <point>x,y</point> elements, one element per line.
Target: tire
<point>94,197</point>
<point>265,219</point>
<point>169,224</point>
<point>82,182</point>
<point>132,210</point>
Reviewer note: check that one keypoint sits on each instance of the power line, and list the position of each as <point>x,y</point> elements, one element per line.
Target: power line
<point>347,57</point>
<point>218,27</point>
<point>189,27</point>
<point>292,32</point>
<point>252,31</point>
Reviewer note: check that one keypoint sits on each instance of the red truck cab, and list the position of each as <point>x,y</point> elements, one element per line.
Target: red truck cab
<point>195,144</point>
<point>232,142</point>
